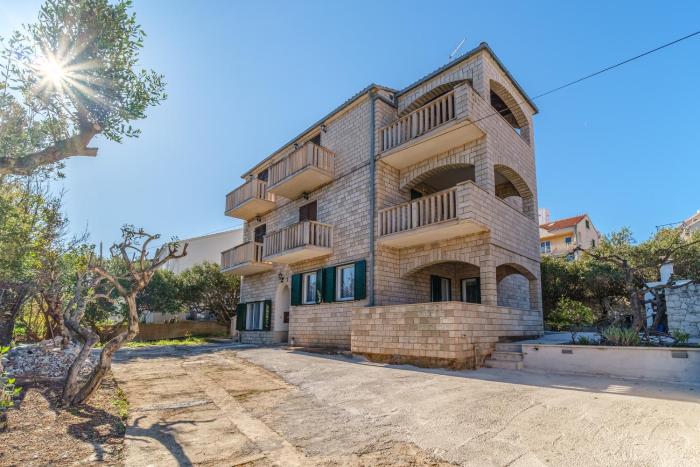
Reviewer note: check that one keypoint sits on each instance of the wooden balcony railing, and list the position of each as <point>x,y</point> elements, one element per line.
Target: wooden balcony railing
<point>420,212</point>
<point>307,155</point>
<point>249,252</point>
<point>305,233</point>
<point>418,122</point>
<point>252,189</point>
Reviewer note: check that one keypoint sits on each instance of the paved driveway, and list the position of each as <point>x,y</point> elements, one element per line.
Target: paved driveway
<point>219,405</point>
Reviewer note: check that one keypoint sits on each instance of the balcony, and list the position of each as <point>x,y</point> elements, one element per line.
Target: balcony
<point>446,214</point>
<point>244,260</point>
<point>299,242</point>
<point>249,200</point>
<point>427,131</point>
<point>304,170</point>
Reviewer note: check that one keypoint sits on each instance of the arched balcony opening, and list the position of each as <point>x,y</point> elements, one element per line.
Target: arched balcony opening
<point>506,105</point>
<point>516,287</point>
<point>512,189</point>
<point>439,179</point>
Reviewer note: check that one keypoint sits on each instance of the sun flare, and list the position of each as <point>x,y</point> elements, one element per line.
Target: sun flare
<point>52,71</point>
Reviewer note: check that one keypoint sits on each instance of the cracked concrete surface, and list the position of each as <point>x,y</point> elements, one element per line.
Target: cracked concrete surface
<point>220,405</point>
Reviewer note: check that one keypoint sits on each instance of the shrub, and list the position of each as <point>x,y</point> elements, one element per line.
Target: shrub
<point>584,340</point>
<point>8,392</point>
<point>615,335</point>
<point>571,316</point>
<point>680,337</point>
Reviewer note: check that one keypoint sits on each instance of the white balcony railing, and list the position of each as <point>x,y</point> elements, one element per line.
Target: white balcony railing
<point>249,252</point>
<point>431,209</point>
<point>305,233</point>
<point>307,155</point>
<point>252,189</point>
<point>418,122</point>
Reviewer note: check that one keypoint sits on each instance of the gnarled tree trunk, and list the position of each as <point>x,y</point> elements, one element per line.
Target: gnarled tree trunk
<point>12,297</point>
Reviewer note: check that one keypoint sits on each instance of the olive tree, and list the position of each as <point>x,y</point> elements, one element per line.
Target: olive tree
<point>71,75</point>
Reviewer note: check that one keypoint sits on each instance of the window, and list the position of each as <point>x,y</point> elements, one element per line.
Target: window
<point>345,282</point>
<point>308,212</point>
<point>592,243</point>
<point>309,289</point>
<point>588,224</point>
<point>441,289</point>
<point>259,233</point>
<point>567,240</point>
<point>254,316</point>
<point>471,290</point>
<point>316,139</point>
<point>545,247</point>
<point>285,317</point>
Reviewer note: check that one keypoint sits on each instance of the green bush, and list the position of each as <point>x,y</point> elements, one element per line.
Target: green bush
<point>680,337</point>
<point>8,390</point>
<point>584,340</point>
<point>615,335</point>
<point>571,316</point>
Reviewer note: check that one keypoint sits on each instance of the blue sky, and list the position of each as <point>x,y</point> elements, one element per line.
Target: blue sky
<point>246,77</point>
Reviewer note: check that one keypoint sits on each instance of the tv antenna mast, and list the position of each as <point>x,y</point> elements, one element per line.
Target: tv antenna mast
<point>454,52</point>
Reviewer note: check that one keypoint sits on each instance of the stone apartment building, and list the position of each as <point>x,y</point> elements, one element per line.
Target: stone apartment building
<point>562,237</point>
<point>402,225</point>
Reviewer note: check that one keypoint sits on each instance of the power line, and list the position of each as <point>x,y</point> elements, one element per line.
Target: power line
<point>643,54</point>
<point>571,83</point>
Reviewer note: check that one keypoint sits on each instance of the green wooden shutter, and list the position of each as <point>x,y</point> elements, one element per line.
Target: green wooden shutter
<point>296,290</point>
<point>319,285</point>
<point>329,284</point>
<point>435,288</point>
<point>240,317</point>
<point>360,280</point>
<point>267,316</point>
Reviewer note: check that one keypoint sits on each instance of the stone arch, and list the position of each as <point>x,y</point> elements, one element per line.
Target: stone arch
<point>449,277</point>
<point>514,185</point>
<point>437,257</point>
<point>512,112</point>
<point>468,155</point>
<point>516,287</point>
<point>441,177</point>
<point>428,96</point>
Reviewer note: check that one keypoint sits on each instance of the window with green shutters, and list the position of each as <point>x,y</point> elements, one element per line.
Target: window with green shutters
<point>240,316</point>
<point>332,284</point>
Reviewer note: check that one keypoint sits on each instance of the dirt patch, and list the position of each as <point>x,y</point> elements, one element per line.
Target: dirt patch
<point>42,433</point>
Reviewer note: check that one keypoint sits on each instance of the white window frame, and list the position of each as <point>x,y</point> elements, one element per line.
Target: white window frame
<point>254,316</point>
<point>304,285</point>
<point>339,282</point>
<point>545,247</point>
<point>445,289</point>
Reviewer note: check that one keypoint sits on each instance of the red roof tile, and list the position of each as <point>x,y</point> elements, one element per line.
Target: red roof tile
<point>563,223</point>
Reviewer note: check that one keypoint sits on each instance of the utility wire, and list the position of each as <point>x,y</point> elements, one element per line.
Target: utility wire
<point>631,59</point>
<point>643,54</point>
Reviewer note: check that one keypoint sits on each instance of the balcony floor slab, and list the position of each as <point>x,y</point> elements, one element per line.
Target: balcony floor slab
<point>299,254</point>
<point>303,181</point>
<point>251,208</point>
<point>431,233</point>
<point>248,269</point>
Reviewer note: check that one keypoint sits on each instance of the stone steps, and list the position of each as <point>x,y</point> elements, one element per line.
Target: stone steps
<point>506,356</point>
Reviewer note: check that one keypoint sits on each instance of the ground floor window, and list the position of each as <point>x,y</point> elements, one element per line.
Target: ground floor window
<point>309,288</point>
<point>254,316</point>
<point>471,290</point>
<point>545,247</point>
<point>441,289</point>
<point>345,282</point>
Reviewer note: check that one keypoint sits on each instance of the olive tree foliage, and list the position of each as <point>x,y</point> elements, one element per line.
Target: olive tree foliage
<point>71,75</point>
<point>639,264</point>
<point>31,224</point>
<point>98,282</point>
<point>204,288</point>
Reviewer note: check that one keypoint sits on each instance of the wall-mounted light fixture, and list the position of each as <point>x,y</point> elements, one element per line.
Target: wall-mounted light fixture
<point>282,277</point>
<point>323,127</point>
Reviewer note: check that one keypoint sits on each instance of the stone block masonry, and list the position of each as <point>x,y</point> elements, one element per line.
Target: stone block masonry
<point>683,309</point>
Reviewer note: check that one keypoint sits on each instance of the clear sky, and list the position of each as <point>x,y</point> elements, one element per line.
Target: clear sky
<point>246,77</point>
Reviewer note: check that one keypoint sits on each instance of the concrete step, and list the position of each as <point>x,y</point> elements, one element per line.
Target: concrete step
<point>507,356</point>
<point>508,347</point>
<point>504,364</point>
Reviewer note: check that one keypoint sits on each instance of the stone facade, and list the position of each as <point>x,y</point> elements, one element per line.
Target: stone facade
<point>469,192</point>
<point>683,309</point>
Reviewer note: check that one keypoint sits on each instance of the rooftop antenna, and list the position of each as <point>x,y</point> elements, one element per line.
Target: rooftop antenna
<point>454,52</point>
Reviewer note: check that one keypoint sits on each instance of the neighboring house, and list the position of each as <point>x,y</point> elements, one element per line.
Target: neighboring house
<point>563,236</point>
<point>402,224</point>
<point>199,249</point>
<point>691,224</point>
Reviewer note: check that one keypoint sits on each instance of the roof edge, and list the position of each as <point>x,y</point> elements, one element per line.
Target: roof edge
<point>467,55</point>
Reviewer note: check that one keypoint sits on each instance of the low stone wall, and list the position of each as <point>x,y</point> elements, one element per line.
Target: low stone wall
<point>649,363</point>
<point>153,332</point>
<point>683,309</point>
<point>446,334</point>
<point>263,337</point>
<point>321,325</point>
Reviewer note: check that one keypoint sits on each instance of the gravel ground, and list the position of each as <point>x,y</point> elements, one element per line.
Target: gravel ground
<point>270,406</point>
<point>42,434</point>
